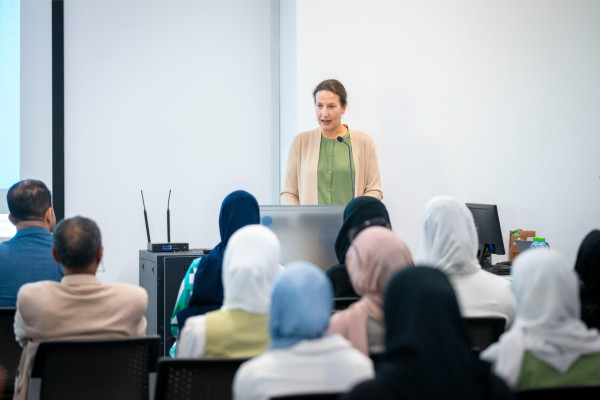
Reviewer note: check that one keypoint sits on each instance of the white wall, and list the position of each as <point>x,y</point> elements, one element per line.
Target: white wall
<point>288,81</point>
<point>164,95</point>
<point>488,101</point>
<point>36,90</point>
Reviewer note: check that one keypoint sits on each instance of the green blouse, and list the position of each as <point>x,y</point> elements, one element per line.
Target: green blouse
<point>333,174</point>
<point>536,374</point>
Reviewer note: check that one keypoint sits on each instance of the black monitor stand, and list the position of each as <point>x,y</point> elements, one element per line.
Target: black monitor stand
<point>484,255</point>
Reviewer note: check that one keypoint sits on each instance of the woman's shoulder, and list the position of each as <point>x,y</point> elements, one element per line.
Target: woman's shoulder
<point>491,279</point>
<point>360,137</point>
<point>341,320</point>
<point>308,135</point>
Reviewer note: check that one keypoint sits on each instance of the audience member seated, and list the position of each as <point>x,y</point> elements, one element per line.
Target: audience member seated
<point>2,379</point>
<point>449,243</point>
<point>302,358</point>
<point>201,290</point>
<point>239,328</point>
<point>361,212</point>
<point>374,255</point>
<point>588,268</point>
<point>27,257</point>
<point>548,345</point>
<point>428,352</point>
<point>78,307</point>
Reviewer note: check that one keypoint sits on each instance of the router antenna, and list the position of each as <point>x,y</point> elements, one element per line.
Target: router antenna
<point>146,218</point>
<point>169,219</point>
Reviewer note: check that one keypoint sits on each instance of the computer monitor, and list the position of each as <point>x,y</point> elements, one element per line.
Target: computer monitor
<point>305,232</point>
<point>487,223</point>
<point>7,229</point>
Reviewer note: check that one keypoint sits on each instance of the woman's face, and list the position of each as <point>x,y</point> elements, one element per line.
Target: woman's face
<point>329,110</point>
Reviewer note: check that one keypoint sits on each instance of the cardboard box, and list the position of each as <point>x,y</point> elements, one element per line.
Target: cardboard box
<point>517,234</point>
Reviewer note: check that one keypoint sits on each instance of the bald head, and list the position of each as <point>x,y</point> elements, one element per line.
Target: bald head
<point>77,244</point>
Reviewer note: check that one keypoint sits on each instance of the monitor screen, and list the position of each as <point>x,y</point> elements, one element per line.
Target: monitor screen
<point>305,232</point>
<point>487,223</point>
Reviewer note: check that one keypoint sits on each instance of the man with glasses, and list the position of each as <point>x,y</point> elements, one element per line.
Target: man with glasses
<point>78,307</point>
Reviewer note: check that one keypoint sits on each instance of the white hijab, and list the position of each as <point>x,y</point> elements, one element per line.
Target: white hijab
<point>448,239</point>
<point>547,321</point>
<point>250,264</point>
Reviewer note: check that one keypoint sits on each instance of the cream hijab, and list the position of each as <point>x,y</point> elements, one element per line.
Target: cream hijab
<point>448,239</point>
<point>373,257</point>
<point>547,321</point>
<point>250,264</point>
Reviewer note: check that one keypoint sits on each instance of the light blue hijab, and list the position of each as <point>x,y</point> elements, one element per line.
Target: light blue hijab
<point>301,305</point>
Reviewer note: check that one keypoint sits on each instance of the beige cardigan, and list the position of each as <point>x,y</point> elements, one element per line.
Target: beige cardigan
<point>301,173</point>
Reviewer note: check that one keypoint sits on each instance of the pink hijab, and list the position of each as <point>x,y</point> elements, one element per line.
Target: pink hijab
<point>373,257</point>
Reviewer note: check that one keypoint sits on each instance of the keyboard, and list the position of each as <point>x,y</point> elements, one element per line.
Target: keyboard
<point>498,269</point>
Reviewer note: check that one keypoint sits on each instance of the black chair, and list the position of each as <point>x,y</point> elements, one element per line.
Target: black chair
<point>205,379</point>
<point>310,396</point>
<point>377,358</point>
<point>485,331</point>
<point>10,350</point>
<point>572,393</point>
<point>341,303</point>
<point>94,369</point>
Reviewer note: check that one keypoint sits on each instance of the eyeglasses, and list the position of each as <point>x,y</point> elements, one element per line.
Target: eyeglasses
<point>379,221</point>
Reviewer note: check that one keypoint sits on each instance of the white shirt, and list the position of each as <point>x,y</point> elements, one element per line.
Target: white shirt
<point>483,294</point>
<point>193,338</point>
<point>328,364</point>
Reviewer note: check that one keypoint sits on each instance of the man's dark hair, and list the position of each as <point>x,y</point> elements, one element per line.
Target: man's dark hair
<point>28,200</point>
<point>76,241</point>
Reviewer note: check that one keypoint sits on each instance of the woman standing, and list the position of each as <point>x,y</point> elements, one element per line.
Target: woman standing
<point>333,163</point>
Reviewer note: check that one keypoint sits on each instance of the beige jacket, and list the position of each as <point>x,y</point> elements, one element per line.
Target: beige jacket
<point>78,307</point>
<point>301,173</point>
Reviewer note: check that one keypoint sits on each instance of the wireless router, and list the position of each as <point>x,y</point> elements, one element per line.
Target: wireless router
<point>163,247</point>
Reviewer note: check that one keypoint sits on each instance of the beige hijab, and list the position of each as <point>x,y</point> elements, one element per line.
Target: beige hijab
<point>372,259</point>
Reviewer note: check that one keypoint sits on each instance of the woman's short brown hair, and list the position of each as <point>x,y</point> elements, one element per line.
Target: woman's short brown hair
<point>334,86</point>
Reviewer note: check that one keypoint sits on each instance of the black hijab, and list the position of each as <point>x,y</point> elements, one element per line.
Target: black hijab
<point>239,209</point>
<point>588,268</point>
<point>428,349</point>
<point>356,213</point>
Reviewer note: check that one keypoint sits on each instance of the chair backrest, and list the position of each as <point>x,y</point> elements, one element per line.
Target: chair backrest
<point>10,350</point>
<point>204,379</point>
<point>341,303</point>
<point>310,396</point>
<point>485,330</point>
<point>574,392</point>
<point>94,369</point>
